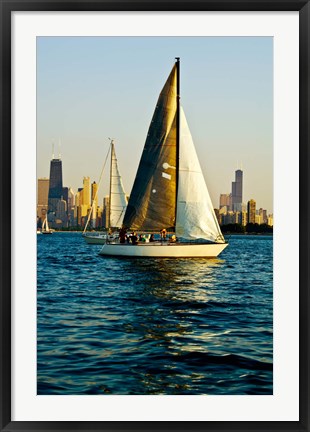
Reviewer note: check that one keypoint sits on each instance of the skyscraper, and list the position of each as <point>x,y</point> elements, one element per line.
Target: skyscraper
<point>61,213</point>
<point>263,215</point>
<point>70,198</point>
<point>236,191</point>
<point>225,201</point>
<point>55,188</point>
<point>42,203</point>
<point>86,191</point>
<point>65,195</point>
<point>77,210</point>
<point>251,211</point>
<point>94,202</point>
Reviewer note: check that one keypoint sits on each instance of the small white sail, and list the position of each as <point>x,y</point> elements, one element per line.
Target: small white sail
<point>195,214</point>
<point>45,226</point>
<point>118,199</point>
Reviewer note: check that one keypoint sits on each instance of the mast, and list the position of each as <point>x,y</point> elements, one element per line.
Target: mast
<point>112,152</point>
<point>177,63</point>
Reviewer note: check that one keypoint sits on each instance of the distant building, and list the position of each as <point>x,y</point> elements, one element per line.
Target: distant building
<point>251,211</point>
<point>43,187</point>
<point>70,208</point>
<point>42,199</point>
<point>270,220</point>
<point>236,191</point>
<point>65,197</point>
<point>86,191</point>
<point>77,210</point>
<point>233,201</point>
<point>83,214</point>
<point>222,212</point>
<point>244,218</point>
<point>263,216</point>
<point>71,217</point>
<point>225,201</point>
<point>229,218</point>
<point>71,198</point>
<point>258,219</point>
<point>238,217</point>
<point>99,217</point>
<point>55,192</point>
<point>61,216</point>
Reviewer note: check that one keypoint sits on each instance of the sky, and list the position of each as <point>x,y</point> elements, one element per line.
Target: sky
<point>90,89</point>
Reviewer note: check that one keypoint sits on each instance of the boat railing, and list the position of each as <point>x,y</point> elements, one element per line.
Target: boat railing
<point>114,239</point>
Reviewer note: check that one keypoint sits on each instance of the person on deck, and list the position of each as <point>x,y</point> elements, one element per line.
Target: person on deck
<point>122,235</point>
<point>134,238</point>
<point>163,234</point>
<point>152,238</point>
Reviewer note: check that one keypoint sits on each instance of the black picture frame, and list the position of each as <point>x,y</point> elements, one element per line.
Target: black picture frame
<point>9,6</point>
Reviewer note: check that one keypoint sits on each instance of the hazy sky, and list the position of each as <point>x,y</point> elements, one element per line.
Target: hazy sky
<point>92,88</point>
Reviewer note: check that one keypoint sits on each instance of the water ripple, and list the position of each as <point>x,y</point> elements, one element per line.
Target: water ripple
<point>154,326</point>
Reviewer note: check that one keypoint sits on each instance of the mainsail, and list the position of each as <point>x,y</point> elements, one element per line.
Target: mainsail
<point>118,200</point>
<point>195,214</point>
<point>153,198</point>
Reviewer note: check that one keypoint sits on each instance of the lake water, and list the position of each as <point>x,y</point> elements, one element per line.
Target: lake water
<point>154,326</point>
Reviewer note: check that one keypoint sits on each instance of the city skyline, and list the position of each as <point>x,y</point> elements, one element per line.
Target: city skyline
<point>74,209</point>
<point>90,89</point>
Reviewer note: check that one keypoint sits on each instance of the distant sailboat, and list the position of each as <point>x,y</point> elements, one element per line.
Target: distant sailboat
<point>117,202</point>
<point>45,227</point>
<point>169,190</point>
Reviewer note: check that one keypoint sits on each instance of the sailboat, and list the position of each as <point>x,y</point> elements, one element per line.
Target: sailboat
<point>169,191</point>
<point>45,228</point>
<point>117,203</point>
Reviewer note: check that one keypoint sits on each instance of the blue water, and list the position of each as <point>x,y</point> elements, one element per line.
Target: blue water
<point>154,326</point>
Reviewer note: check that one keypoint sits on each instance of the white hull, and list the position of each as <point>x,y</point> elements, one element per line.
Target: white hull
<point>95,239</point>
<point>159,250</point>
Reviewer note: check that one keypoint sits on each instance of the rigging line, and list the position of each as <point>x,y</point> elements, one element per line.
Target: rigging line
<point>96,194</point>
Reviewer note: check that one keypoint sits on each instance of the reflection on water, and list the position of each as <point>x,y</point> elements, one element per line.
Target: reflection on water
<point>154,326</point>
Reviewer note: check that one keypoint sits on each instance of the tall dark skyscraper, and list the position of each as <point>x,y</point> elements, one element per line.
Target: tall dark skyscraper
<point>236,191</point>
<point>55,192</point>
